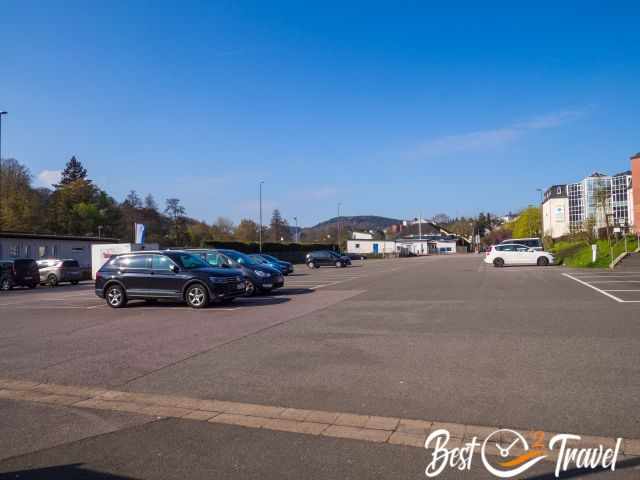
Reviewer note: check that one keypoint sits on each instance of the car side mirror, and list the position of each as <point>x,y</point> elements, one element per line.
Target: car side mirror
<point>174,268</point>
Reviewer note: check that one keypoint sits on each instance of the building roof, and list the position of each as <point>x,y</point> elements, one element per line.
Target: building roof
<point>47,236</point>
<point>625,173</point>
<point>637,155</point>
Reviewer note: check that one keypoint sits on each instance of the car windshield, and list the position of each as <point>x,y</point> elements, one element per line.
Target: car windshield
<point>241,258</point>
<point>259,259</point>
<point>188,261</point>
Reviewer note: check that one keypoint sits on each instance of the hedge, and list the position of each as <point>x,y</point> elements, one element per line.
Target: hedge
<point>291,252</point>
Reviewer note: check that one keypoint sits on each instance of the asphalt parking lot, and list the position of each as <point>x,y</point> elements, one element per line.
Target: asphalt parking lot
<point>448,339</point>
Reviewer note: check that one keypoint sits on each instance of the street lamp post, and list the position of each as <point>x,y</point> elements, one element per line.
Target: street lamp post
<point>541,210</point>
<point>1,114</point>
<point>338,239</point>
<point>260,231</point>
<point>295,219</point>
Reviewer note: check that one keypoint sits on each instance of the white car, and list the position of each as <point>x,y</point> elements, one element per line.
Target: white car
<point>516,254</point>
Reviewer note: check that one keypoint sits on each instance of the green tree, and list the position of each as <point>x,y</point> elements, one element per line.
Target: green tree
<point>222,229</point>
<point>528,223</point>
<point>73,171</point>
<point>247,231</point>
<point>19,203</point>
<point>198,233</point>
<point>176,214</point>
<point>150,202</point>
<point>279,228</point>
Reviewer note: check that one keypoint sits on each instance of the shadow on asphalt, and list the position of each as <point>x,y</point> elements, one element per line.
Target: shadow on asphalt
<point>239,302</point>
<point>582,473</point>
<point>73,471</point>
<point>292,291</point>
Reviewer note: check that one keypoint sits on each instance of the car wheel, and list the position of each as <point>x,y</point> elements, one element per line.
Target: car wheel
<point>5,284</point>
<point>197,296</point>
<point>339,264</point>
<point>115,296</point>
<point>74,282</point>
<point>249,288</point>
<point>311,265</point>
<point>52,280</point>
<point>543,261</point>
<point>498,262</point>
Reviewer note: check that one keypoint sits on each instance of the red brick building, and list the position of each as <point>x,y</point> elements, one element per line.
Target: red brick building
<point>635,184</point>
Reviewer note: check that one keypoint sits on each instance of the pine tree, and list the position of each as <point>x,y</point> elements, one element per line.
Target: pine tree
<point>73,171</point>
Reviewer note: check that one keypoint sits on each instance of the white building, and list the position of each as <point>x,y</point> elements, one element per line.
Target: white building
<point>362,236</point>
<point>555,211</point>
<point>370,246</point>
<point>568,208</point>
<point>405,246</point>
<point>30,245</point>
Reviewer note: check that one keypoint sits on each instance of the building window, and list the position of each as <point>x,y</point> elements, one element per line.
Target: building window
<point>357,245</point>
<point>27,251</point>
<point>55,250</point>
<point>14,250</point>
<point>42,251</point>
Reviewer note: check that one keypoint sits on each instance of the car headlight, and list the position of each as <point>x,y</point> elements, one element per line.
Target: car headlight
<point>262,274</point>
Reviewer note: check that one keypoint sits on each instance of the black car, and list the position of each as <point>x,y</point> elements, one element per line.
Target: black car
<point>325,258</point>
<point>259,277</point>
<point>172,275</point>
<point>285,267</point>
<point>19,272</point>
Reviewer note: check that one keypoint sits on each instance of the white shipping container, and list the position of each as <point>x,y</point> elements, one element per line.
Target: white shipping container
<point>102,252</point>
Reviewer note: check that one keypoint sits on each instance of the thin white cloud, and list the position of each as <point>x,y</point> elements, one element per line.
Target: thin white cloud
<point>48,178</point>
<point>492,139</point>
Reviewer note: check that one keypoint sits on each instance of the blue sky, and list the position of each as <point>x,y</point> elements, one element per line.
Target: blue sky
<point>391,108</point>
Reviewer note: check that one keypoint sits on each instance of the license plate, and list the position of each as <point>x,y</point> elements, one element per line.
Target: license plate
<point>267,285</point>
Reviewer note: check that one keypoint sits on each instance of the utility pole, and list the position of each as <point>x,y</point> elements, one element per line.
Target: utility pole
<point>260,231</point>
<point>295,219</point>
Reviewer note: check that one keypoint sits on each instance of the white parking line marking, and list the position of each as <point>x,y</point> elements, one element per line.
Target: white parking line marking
<point>622,290</point>
<point>615,281</point>
<point>594,288</point>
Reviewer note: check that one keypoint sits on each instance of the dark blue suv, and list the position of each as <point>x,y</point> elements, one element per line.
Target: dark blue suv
<point>171,275</point>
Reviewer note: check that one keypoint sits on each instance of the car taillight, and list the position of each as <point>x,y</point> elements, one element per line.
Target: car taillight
<point>98,275</point>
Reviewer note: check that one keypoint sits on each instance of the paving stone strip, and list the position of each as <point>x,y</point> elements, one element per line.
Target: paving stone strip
<point>396,431</point>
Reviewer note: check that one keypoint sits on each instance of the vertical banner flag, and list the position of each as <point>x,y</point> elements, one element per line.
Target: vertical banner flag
<point>141,232</point>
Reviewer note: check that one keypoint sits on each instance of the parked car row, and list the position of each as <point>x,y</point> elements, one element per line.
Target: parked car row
<point>27,272</point>
<point>198,276</point>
